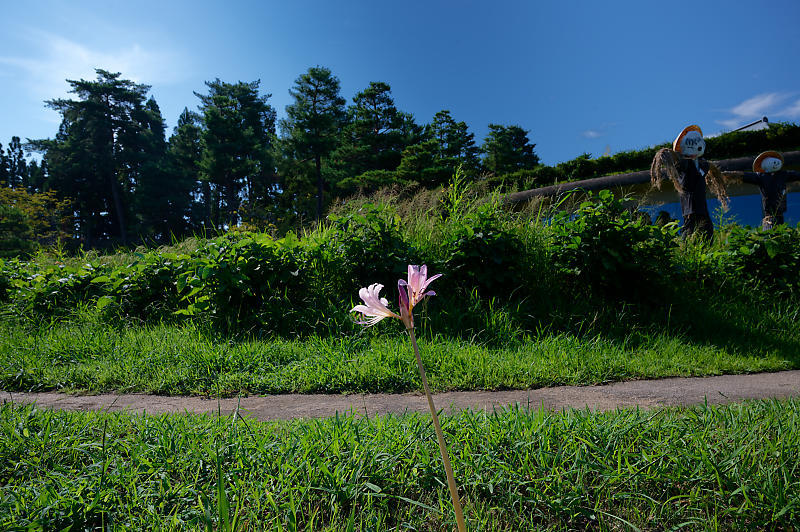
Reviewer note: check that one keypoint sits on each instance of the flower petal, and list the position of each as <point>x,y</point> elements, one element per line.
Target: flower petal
<point>375,307</point>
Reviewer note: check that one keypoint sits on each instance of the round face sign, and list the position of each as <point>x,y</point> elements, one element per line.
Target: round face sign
<point>771,164</point>
<point>693,145</point>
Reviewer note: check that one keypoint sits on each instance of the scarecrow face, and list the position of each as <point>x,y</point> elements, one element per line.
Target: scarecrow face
<point>771,164</point>
<point>693,145</point>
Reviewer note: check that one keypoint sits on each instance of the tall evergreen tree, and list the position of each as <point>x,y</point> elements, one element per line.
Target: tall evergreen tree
<point>36,179</point>
<point>311,128</point>
<point>377,133</point>
<point>98,155</point>
<point>185,155</point>
<point>507,149</point>
<point>238,137</point>
<point>422,164</point>
<point>447,145</point>
<point>17,165</point>
<point>161,197</point>
<point>456,143</point>
<point>3,165</point>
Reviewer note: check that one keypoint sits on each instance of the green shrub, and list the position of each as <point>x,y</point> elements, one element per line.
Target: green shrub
<point>767,262</point>
<point>505,273</point>
<point>603,250</point>
<point>481,254</point>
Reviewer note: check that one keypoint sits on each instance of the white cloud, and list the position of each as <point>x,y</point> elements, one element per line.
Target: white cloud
<point>793,111</point>
<point>591,134</point>
<point>766,104</point>
<point>756,106</point>
<point>730,123</point>
<point>54,59</point>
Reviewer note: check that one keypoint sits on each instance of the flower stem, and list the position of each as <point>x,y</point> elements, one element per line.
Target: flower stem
<point>451,481</point>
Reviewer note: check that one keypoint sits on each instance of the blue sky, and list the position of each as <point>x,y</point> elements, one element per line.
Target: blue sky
<point>581,76</point>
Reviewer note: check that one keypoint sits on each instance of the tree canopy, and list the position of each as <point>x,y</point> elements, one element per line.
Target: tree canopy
<point>230,162</point>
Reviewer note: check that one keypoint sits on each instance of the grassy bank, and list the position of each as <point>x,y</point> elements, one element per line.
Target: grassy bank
<point>530,298</point>
<point>90,355</point>
<point>733,468</point>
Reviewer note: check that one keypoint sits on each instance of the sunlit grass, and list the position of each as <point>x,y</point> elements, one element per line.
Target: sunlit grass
<point>730,467</point>
<point>170,359</point>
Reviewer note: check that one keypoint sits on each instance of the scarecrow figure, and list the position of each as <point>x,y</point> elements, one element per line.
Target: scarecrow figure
<point>771,179</point>
<point>690,173</point>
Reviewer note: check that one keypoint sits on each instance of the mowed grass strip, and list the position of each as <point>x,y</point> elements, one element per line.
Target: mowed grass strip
<point>90,356</point>
<point>734,467</point>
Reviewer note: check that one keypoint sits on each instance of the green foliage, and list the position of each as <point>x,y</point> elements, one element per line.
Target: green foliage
<point>766,262</point>
<point>535,271</point>
<point>480,253</point>
<point>730,467</point>
<point>16,232</point>
<point>507,149</point>
<point>370,244</point>
<point>238,141</point>
<point>29,220</point>
<point>603,250</point>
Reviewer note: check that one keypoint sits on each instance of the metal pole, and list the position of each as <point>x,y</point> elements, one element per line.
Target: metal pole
<point>754,123</point>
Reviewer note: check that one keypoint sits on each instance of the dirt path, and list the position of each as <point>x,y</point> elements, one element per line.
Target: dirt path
<point>647,394</point>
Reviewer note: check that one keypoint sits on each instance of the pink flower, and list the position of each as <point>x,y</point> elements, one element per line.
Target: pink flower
<point>418,282</point>
<point>411,292</point>
<point>405,308</point>
<point>375,307</point>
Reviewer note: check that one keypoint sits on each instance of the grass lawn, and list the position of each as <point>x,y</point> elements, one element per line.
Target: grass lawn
<point>92,356</point>
<point>734,467</point>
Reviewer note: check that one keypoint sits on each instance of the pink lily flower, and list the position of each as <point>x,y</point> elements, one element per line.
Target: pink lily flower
<point>405,307</point>
<point>375,307</point>
<point>417,283</point>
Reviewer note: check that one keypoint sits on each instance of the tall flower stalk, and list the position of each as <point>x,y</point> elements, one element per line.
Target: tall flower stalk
<point>375,309</point>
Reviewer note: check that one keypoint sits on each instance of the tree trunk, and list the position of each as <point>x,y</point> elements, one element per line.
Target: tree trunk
<point>207,200</point>
<point>118,208</point>
<point>230,201</point>
<point>318,161</point>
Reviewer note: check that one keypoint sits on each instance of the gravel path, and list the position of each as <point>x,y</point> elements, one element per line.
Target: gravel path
<point>646,394</point>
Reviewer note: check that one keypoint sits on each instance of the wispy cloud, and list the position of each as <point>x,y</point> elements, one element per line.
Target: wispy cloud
<point>793,111</point>
<point>53,59</point>
<point>758,106</point>
<point>598,131</point>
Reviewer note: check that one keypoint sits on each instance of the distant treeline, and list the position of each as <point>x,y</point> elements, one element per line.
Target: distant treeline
<point>112,176</point>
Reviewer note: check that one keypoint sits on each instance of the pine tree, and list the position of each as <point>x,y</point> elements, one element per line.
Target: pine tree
<point>238,138</point>
<point>456,143</point>
<point>99,153</point>
<point>185,154</point>
<point>447,146</point>
<point>373,140</point>
<point>507,149</point>
<point>161,196</point>
<point>17,165</point>
<point>36,179</point>
<point>311,129</point>
<point>3,166</point>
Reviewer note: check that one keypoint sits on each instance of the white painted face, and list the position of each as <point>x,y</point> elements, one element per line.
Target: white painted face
<point>771,164</point>
<point>693,145</point>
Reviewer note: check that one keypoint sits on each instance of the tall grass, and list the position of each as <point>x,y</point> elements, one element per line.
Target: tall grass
<point>90,355</point>
<point>730,468</point>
